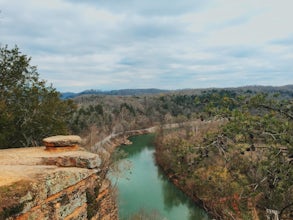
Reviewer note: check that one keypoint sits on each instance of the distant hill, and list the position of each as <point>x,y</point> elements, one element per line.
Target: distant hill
<point>286,91</point>
<point>121,92</point>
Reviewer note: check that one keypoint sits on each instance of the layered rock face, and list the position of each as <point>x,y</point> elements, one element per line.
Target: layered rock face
<point>62,183</point>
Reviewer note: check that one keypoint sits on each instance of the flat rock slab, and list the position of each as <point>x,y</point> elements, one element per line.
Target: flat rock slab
<point>62,141</point>
<point>23,163</point>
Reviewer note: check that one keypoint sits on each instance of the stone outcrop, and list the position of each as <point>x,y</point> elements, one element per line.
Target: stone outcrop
<point>62,142</point>
<point>39,184</point>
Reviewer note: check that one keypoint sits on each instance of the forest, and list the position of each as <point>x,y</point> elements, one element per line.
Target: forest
<point>242,158</point>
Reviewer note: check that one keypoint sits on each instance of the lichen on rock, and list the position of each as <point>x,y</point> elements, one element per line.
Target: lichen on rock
<point>39,184</point>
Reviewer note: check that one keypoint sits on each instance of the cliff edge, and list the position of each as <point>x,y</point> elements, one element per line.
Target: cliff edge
<point>67,183</point>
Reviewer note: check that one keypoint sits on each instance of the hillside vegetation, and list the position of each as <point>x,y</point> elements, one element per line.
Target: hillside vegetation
<point>240,168</point>
<point>236,159</point>
<point>101,115</point>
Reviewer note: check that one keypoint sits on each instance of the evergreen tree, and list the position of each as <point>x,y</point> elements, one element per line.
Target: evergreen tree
<point>29,109</point>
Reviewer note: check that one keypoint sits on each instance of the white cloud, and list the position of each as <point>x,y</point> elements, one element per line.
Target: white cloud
<point>87,44</point>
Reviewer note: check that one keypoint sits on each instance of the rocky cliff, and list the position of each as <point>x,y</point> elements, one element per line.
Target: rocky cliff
<point>68,183</point>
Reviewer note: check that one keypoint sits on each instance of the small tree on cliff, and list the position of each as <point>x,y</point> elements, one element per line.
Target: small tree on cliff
<point>29,109</point>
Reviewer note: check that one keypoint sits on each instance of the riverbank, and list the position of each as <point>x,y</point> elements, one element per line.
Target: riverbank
<point>114,140</point>
<point>203,174</point>
<point>177,181</point>
<point>208,204</point>
<point>144,191</point>
<point>110,142</point>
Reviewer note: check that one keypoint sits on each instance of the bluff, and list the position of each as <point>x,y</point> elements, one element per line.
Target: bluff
<point>45,183</point>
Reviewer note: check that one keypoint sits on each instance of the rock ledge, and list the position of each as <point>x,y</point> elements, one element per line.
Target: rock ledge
<point>37,183</point>
<point>62,141</point>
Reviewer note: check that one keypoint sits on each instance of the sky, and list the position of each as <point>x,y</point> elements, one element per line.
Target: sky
<point>107,44</point>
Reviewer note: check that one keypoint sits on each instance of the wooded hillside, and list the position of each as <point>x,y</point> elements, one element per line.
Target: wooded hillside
<point>241,168</point>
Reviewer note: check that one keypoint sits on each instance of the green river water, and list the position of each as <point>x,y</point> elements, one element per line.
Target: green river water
<point>144,187</point>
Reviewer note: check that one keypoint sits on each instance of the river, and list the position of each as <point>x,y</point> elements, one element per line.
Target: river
<point>144,189</point>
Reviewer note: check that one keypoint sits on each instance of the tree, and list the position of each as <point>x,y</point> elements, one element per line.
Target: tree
<point>29,109</point>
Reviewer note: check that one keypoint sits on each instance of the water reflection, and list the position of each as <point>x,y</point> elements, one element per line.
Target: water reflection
<point>147,188</point>
<point>171,197</point>
<point>175,198</point>
<point>138,144</point>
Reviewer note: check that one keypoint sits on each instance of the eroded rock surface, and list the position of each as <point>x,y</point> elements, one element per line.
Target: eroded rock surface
<point>40,184</point>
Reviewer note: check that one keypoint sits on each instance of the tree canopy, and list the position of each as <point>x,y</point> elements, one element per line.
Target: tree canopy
<point>29,109</point>
<point>243,160</point>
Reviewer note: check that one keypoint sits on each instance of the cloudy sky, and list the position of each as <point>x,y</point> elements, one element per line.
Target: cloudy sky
<point>107,44</point>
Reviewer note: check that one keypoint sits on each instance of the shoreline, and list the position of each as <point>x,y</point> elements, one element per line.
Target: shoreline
<point>176,181</point>
<point>112,141</point>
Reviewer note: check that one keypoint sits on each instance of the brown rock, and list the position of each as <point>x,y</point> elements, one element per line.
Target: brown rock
<point>38,184</point>
<point>62,141</point>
